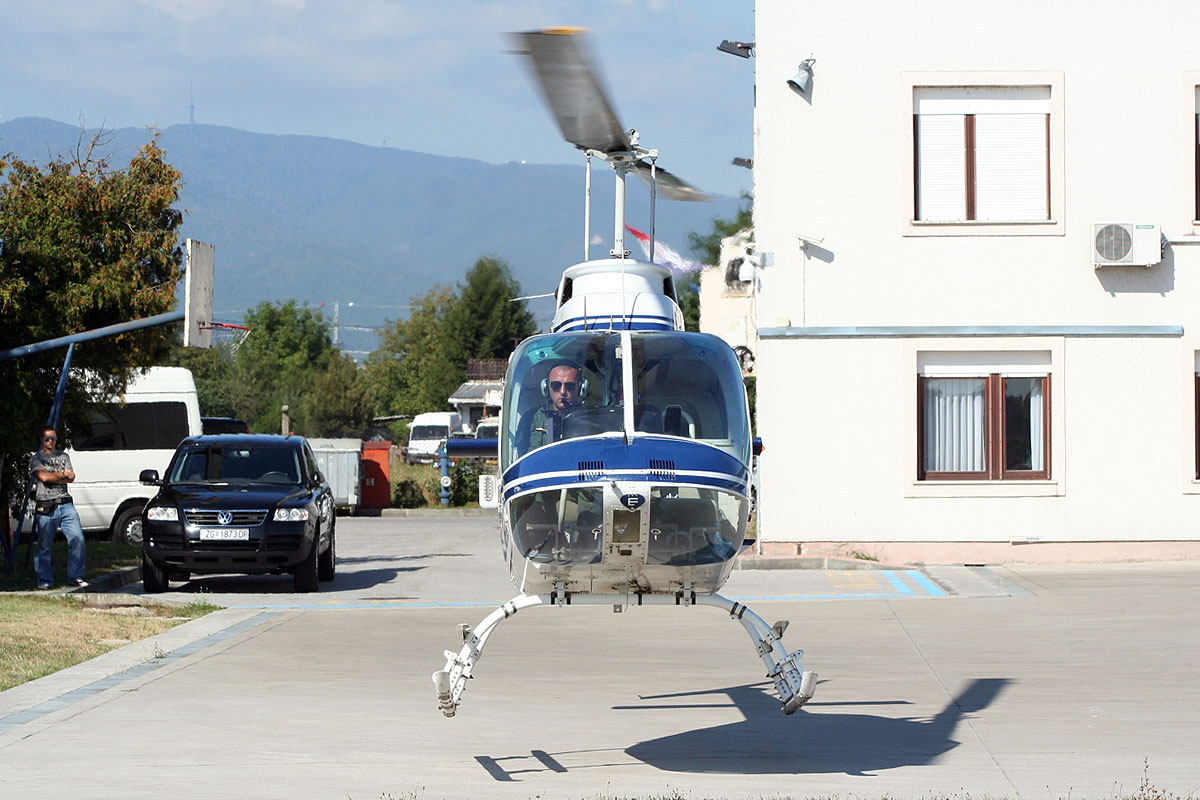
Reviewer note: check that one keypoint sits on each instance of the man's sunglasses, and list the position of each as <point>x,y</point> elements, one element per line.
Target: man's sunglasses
<point>560,386</point>
<point>49,438</point>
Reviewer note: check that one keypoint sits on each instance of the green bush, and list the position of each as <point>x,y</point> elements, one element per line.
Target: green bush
<point>464,480</point>
<point>414,485</point>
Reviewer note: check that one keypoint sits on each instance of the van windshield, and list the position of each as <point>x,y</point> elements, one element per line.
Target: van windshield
<point>418,433</point>
<point>236,464</point>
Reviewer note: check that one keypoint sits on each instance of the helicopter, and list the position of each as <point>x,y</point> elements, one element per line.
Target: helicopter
<point>625,446</point>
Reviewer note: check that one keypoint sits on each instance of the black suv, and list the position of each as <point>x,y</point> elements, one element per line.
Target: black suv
<point>248,503</point>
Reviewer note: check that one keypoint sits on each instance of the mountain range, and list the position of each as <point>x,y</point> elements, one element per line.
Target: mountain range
<point>327,220</point>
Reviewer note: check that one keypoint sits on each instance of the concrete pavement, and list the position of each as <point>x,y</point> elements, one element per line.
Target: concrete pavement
<point>1022,682</point>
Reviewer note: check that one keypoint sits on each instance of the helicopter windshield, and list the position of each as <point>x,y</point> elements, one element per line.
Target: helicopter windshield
<point>569,385</point>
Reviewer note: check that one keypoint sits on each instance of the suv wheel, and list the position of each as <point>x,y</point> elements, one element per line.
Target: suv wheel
<point>154,579</point>
<point>304,574</point>
<point>327,565</point>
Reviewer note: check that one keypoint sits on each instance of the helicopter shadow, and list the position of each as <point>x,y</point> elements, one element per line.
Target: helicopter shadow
<point>765,741</point>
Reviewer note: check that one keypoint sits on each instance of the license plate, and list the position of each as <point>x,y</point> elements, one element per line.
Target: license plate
<point>225,534</point>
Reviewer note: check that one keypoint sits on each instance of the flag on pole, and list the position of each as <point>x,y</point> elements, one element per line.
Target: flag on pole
<point>665,255</point>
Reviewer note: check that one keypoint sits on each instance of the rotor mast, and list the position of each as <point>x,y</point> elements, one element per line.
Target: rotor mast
<point>620,163</point>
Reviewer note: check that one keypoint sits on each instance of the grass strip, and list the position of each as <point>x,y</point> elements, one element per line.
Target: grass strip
<point>41,634</point>
<point>102,558</point>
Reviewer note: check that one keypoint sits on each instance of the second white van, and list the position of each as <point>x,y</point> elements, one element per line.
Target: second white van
<point>128,434</point>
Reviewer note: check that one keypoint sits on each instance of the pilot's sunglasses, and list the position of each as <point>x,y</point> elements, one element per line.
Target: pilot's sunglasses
<point>559,386</point>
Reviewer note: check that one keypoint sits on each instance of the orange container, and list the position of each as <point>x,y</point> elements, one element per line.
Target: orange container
<point>376,475</point>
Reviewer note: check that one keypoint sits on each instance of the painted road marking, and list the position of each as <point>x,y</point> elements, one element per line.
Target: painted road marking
<point>857,585</point>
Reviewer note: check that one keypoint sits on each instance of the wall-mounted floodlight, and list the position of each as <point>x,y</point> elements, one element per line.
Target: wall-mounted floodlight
<point>739,49</point>
<point>748,163</point>
<point>803,79</point>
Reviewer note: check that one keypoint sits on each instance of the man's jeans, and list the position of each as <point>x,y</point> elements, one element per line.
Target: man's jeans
<point>67,518</point>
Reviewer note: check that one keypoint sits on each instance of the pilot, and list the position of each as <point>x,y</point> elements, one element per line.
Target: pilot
<point>563,388</point>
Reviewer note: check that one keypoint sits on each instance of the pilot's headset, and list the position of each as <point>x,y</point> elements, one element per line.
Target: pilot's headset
<point>583,382</point>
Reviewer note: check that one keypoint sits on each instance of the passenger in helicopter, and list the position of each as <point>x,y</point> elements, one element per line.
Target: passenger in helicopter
<point>563,387</point>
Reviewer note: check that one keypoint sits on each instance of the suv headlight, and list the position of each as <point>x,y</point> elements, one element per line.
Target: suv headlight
<point>291,514</point>
<point>162,514</point>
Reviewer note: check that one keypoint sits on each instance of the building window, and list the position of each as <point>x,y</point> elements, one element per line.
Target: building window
<point>981,153</point>
<point>986,427</point>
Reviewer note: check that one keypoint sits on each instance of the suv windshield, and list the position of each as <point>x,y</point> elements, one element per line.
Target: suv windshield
<point>230,463</point>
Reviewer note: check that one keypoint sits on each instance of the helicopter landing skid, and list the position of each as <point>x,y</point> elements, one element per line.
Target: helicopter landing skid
<point>794,686</point>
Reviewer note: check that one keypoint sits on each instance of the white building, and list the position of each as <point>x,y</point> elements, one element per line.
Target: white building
<point>943,372</point>
<point>727,301</point>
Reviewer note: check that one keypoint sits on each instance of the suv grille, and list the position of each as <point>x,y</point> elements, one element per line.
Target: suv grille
<point>208,517</point>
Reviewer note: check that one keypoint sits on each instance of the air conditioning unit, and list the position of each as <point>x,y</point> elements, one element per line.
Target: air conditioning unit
<point>1127,244</point>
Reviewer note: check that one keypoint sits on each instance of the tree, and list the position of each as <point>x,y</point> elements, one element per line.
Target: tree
<point>338,405</point>
<point>409,372</point>
<point>707,248</point>
<point>213,369</point>
<point>82,246</point>
<point>289,346</point>
<point>422,360</point>
<point>485,322</point>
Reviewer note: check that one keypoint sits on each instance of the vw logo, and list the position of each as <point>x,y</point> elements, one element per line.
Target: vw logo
<point>224,517</point>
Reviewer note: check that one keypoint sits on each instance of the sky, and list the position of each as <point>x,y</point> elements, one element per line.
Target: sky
<point>426,75</point>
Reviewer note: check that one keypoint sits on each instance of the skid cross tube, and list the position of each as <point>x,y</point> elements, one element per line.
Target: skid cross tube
<point>794,686</point>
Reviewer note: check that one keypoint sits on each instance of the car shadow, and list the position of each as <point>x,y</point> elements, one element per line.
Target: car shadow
<point>812,740</point>
<point>283,584</point>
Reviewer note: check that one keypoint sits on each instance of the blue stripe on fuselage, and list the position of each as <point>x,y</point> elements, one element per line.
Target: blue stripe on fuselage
<point>615,322</point>
<point>619,460</point>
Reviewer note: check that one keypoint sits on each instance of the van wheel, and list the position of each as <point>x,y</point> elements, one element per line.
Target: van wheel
<point>128,527</point>
<point>154,579</point>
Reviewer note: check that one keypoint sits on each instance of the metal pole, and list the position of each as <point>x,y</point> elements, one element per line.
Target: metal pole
<point>653,201</point>
<point>60,392</point>
<point>87,336</point>
<point>618,251</point>
<point>587,209</point>
<point>444,462</point>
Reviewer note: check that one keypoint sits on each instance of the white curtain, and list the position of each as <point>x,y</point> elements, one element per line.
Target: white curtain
<point>1037,433</point>
<point>955,425</point>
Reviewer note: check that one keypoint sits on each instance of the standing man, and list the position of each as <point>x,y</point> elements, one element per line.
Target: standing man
<point>564,388</point>
<point>55,510</point>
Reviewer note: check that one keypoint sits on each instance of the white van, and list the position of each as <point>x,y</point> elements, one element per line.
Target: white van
<point>427,432</point>
<point>129,434</point>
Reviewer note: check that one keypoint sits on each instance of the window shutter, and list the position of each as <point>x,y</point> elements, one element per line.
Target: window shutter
<point>1010,167</point>
<point>941,167</point>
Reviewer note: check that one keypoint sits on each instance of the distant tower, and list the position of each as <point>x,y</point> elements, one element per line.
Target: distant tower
<point>192,103</point>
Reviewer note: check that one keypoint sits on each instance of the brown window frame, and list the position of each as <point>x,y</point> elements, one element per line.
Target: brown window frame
<point>995,435</point>
<point>969,184</point>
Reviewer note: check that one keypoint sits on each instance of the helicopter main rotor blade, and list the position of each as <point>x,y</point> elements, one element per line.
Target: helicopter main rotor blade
<point>670,185</point>
<point>571,86</point>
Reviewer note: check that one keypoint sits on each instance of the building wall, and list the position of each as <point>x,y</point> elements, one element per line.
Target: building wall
<point>838,412</point>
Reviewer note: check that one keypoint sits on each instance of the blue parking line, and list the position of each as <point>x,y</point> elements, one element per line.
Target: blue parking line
<point>894,580</point>
<point>924,582</point>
